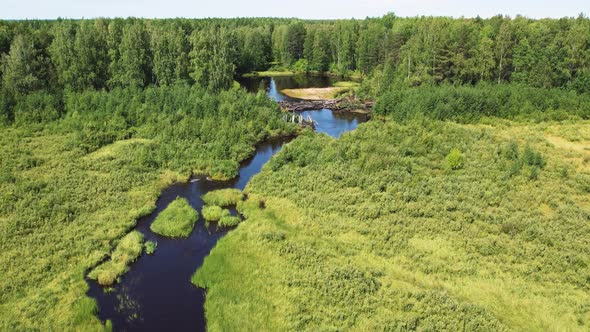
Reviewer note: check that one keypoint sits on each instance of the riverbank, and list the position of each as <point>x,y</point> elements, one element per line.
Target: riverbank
<point>270,73</point>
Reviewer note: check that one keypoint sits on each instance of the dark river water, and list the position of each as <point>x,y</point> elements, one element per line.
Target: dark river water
<point>156,294</point>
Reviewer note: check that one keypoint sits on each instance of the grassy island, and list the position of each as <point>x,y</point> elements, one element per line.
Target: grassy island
<point>177,220</point>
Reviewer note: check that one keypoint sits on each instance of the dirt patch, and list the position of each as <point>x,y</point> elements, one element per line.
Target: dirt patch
<point>314,93</point>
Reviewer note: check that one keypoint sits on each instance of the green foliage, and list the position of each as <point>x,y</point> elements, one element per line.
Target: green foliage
<point>471,104</point>
<point>223,197</point>
<point>133,65</point>
<point>20,72</point>
<point>511,151</point>
<point>213,58</point>
<point>532,157</point>
<point>126,252</point>
<point>366,231</point>
<point>150,247</point>
<point>214,212</point>
<point>37,107</point>
<point>177,220</point>
<point>454,159</point>
<point>300,66</point>
<point>103,116</point>
<point>293,42</point>
<point>229,221</point>
<point>79,52</point>
<point>171,60</point>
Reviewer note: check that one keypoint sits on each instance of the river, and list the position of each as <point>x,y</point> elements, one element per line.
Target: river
<point>156,294</point>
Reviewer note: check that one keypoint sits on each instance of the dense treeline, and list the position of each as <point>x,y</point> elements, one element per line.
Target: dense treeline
<point>106,54</point>
<point>472,103</point>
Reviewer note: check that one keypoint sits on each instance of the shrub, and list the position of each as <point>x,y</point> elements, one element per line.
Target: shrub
<point>150,247</point>
<point>177,220</point>
<point>454,159</point>
<point>532,157</point>
<point>511,151</point>
<point>471,103</point>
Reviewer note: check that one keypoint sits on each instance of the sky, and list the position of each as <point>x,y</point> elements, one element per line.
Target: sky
<point>309,9</point>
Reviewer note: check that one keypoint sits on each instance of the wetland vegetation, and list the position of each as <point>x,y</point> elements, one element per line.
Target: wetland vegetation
<point>463,204</point>
<point>392,226</point>
<point>177,220</point>
<point>127,250</point>
<point>214,212</point>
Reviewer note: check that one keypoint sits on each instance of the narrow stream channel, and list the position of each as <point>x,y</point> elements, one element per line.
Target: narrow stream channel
<point>156,293</point>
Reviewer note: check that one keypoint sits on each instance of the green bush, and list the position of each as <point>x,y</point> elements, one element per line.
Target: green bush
<point>454,159</point>
<point>533,158</point>
<point>150,247</point>
<point>249,206</point>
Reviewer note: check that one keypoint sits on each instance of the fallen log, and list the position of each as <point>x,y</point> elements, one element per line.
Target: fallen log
<point>341,105</point>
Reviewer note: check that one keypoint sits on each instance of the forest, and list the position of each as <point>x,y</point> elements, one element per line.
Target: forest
<point>43,59</point>
<point>463,203</point>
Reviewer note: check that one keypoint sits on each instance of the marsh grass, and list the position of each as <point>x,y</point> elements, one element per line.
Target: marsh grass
<point>127,251</point>
<point>229,221</point>
<point>250,206</point>
<point>214,212</point>
<point>177,220</point>
<point>150,247</point>
<point>388,238</point>
<point>223,197</point>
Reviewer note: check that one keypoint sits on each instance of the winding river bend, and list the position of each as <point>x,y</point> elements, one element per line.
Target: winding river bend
<point>156,294</point>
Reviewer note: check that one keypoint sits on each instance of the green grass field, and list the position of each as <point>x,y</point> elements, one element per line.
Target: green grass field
<point>376,230</point>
